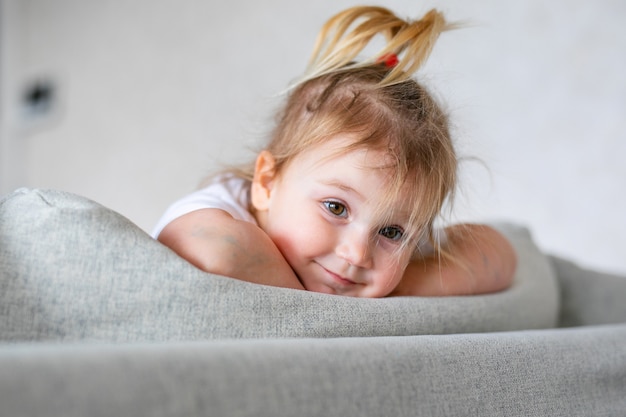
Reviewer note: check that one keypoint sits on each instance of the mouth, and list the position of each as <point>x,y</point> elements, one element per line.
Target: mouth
<point>339,280</point>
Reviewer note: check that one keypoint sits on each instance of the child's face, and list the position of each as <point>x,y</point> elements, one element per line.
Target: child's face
<point>320,211</point>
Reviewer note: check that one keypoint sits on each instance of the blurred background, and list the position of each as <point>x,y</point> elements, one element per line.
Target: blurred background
<point>132,103</point>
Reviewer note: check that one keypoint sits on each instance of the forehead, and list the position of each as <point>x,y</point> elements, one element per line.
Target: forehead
<point>340,151</point>
<point>368,172</point>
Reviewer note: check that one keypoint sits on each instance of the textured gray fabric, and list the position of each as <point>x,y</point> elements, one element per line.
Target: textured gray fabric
<point>71,269</point>
<point>589,297</point>
<point>564,372</point>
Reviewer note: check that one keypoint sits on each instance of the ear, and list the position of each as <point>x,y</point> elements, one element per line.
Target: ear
<point>264,176</point>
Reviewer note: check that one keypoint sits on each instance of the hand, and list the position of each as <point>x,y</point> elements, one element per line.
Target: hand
<point>212,240</point>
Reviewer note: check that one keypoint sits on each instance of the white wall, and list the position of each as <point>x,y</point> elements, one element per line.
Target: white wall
<point>12,149</point>
<point>152,93</point>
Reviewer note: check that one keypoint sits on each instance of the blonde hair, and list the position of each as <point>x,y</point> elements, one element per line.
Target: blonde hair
<point>410,40</point>
<point>382,107</point>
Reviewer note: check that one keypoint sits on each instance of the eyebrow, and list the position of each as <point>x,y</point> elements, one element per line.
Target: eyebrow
<point>344,187</point>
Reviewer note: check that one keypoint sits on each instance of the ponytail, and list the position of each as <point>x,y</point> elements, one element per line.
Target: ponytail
<point>337,48</point>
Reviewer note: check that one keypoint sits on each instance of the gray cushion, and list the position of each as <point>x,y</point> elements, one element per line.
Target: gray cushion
<point>557,372</point>
<point>589,297</point>
<point>71,269</point>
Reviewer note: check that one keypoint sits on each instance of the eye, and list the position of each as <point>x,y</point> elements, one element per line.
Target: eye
<point>336,208</point>
<point>391,232</point>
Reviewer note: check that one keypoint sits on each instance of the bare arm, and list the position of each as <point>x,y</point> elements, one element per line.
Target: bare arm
<point>215,242</point>
<point>484,262</point>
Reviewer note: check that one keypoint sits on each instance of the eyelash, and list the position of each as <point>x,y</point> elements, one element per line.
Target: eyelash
<point>399,233</point>
<point>343,212</point>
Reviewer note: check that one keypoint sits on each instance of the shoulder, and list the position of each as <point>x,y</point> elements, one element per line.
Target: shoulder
<point>225,192</point>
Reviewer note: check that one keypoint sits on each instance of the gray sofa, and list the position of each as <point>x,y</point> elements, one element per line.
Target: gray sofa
<point>98,319</point>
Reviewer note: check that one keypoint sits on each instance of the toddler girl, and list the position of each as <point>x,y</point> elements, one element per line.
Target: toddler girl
<point>344,198</point>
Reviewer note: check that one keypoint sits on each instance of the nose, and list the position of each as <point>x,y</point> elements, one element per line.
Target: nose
<point>355,248</point>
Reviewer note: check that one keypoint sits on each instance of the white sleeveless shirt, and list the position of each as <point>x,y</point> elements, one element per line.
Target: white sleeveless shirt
<point>226,192</point>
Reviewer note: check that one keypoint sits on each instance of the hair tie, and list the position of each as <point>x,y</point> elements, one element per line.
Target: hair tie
<point>389,59</point>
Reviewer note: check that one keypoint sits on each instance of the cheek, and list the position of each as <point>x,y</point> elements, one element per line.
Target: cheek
<point>391,273</point>
<point>298,235</point>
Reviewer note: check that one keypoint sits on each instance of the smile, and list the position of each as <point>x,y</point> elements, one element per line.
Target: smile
<point>338,280</point>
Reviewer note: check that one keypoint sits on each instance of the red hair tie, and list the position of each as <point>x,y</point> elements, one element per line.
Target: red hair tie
<point>390,60</point>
